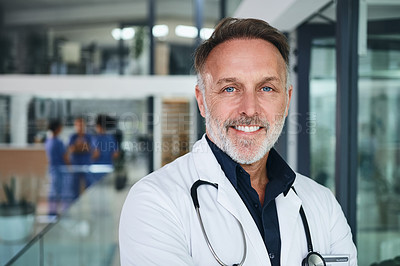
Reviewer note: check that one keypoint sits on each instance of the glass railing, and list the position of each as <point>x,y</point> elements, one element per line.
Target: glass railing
<point>85,234</point>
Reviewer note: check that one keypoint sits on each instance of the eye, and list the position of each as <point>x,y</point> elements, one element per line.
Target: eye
<point>230,89</point>
<point>266,89</point>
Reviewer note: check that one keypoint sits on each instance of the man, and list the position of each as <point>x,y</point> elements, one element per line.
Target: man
<point>79,154</point>
<point>55,151</point>
<point>254,209</point>
<point>105,148</point>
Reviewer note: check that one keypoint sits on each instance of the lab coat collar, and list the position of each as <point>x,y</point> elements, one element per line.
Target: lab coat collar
<point>288,207</point>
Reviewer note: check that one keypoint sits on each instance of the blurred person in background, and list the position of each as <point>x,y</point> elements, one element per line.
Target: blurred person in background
<point>57,158</point>
<point>105,148</point>
<point>79,154</point>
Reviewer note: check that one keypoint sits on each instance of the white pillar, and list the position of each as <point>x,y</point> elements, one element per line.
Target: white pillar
<point>19,119</point>
<point>292,124</point>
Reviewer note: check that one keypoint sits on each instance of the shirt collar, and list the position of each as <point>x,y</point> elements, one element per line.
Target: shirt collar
<point>277,169</point>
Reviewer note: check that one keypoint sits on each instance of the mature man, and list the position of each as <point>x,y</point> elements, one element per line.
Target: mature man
<point>254,209</point>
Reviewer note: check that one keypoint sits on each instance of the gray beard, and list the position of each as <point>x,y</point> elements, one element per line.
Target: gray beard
<point>243,151</point>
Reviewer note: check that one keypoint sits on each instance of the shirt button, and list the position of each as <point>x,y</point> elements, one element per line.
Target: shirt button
<point>271,255</point>
<point>256,205</point>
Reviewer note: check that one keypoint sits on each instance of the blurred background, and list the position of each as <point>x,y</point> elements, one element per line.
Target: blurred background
<point>132,60</point>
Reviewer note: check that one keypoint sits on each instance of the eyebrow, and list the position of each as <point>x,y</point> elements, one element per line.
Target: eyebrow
<point>227,80</point>
<point>235,80</point>
<point>269,79</point>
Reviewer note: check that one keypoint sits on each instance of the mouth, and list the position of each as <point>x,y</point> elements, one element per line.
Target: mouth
<point>247,129</point>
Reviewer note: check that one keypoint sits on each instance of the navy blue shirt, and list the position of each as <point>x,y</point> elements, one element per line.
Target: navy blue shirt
<point>281,178</point>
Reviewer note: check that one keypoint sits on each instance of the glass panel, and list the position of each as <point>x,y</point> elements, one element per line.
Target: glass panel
<point>322,114</point>
<point>80,37</point>
<point>87,234</point>
<point>19,207</point>
<point>30,257</point>
<point>378,199</point>
<point>83,48</point>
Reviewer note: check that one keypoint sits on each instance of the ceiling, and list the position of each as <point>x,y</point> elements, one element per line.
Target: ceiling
<point>57,12</point>
<point>286,15</point>
<point>91,21</point>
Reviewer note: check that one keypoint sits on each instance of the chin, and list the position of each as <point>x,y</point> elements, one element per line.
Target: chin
<point>246,155</point>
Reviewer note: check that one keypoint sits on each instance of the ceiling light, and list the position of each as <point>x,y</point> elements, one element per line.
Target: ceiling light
<point>116,33</point>
<point>186,31</point>
<point>125,33</point>
<point>160,30</point>
<point>206,33</point>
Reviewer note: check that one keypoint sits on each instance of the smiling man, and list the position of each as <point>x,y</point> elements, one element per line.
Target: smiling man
<point>255,210</point>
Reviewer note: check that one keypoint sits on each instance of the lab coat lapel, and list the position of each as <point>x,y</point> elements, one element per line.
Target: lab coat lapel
<point>209,169</point>
<point>288,214</point>
<point>231,201</point>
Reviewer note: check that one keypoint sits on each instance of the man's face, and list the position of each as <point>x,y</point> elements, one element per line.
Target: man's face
<point>79,125</point>
<point>245,101</point>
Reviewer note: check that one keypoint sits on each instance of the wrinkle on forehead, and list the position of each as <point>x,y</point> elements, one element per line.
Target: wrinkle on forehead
<point>283,71</point>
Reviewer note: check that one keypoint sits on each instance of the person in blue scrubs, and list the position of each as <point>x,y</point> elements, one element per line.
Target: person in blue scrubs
<point>79,153</point>
<point>55,151</point>
<point>105,148</point>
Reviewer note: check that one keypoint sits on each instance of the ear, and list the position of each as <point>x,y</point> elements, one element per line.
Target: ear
<point>200,101</point>
<point>289,93</point>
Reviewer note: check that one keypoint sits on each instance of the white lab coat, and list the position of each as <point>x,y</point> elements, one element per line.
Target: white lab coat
<point>159,225</point>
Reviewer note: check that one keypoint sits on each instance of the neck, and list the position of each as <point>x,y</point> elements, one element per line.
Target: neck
<point>258,176</point>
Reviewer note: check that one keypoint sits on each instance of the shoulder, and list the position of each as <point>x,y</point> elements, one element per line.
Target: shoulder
<point>73,138</point>
<point>48,143</point>
<point>313,194</point>
<point>111,138</point>
<point>171,178</point>
<point>305,184</point>
<point>168,188</point>
<point>163,194</point>
<point>154,219</point>
<point>59,142</point>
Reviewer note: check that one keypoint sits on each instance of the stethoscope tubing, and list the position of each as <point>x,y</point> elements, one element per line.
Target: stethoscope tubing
<point>193,192</point>
<point>197,207</point>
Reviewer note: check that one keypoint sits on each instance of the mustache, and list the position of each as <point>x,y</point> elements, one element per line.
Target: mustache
<point>245,120</point>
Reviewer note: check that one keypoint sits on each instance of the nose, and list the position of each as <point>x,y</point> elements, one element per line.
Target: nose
<point>249,104</point>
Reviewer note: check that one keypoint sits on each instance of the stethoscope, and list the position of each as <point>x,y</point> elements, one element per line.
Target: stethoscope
<point>312,259</point>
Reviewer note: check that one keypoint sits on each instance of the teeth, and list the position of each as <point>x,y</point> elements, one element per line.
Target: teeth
<point>247,128</point>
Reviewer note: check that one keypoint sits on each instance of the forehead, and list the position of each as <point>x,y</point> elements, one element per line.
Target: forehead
<point>244,57</point>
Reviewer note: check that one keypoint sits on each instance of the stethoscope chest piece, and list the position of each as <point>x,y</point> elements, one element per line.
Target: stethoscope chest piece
<point>313,259</point>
